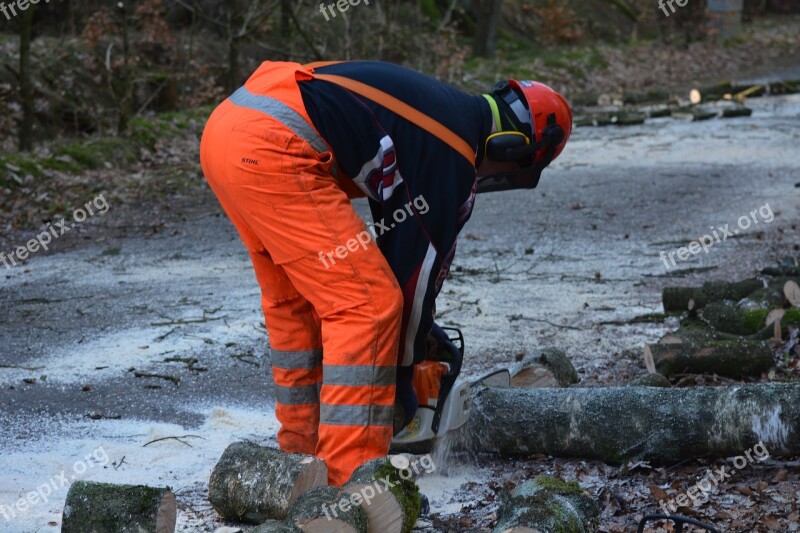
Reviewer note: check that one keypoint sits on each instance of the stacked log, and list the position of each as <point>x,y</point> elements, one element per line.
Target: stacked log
<point>286,492</point>
<point>726,327</point>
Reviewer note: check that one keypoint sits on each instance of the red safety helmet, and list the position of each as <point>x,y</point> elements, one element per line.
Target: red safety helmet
<point>544,120</point>
<point>543,101</point>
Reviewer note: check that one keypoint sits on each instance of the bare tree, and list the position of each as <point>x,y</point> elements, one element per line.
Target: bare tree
<point>239,20</point>
<point>25,85</point>
<point>487,15</point>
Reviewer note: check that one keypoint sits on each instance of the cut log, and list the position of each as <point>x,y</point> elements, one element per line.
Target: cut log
<point>693,113</point>
<point>738,111</point>
<point>637,423</point>
<point>788,266</point>
<point>547,504</point>
<point>253,483</point>
<point>677,298</point>
<point>276,526</point>
<point>728,317</point>
<point>388,494</point>
<point>91,507</point>
<point>729,358</point>
<point>546,368</point>
<point>770,297</point>
<point>328,510</point>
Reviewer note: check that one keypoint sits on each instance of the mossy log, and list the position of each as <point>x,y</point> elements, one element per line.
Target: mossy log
<point>728,317</point>
<point>547,504</point>
<point>92,507</point>
<point>730,358</point>
<point>546,368</point>
<point>618,424</point>
<point>770,297</point>
<point>389,495</point>
<point>327,510</point>
<point>679,298</point>
<point>253,483</point>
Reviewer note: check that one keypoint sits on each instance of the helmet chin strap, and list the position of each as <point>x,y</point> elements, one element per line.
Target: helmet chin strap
<point>527,177</point>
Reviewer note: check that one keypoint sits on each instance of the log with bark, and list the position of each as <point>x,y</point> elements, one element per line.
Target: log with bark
<point>546,504</point>
<point>637,423</point>
<point>695,349</point>
<point>388,494</point>
<point>253,483</point>
<point>91,507</point>
<point>546,368</point>
<point>327,510</point>
<point>679,298</point>
<point>788,266</point>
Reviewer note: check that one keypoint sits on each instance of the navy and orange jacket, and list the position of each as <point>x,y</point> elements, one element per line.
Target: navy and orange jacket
<point>394,162</point>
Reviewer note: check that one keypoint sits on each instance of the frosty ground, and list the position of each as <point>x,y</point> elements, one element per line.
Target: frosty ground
<point>565,265</point>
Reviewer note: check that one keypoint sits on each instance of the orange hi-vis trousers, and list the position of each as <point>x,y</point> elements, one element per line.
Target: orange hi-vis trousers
<point>333,328</point>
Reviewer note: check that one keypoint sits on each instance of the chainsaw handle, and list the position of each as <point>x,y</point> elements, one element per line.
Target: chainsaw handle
<point>449,379</point>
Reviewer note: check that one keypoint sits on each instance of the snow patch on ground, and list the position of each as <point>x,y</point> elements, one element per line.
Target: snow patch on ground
<point>113,451</point>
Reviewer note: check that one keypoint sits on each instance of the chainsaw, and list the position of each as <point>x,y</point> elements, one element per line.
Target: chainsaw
<point>444,398</point>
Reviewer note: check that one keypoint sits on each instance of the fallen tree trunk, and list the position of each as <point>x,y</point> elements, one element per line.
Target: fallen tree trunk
<point>253,483</point>
<point>546,504</point>
<point>637,423</point>
<point>327,510</point>
<point>389,495</point>
<point>679,298</point>
<point>93,507</point>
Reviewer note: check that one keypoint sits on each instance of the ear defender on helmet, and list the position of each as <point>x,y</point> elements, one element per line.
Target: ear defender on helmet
<point>543,123</point>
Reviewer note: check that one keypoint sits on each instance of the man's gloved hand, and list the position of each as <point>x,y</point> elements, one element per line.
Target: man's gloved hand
<point>440,347</point>
<point>406,402</point>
